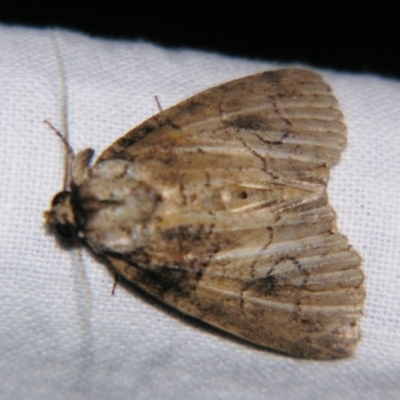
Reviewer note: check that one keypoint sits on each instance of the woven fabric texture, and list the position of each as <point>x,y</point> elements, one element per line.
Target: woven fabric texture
<point>61,338</point>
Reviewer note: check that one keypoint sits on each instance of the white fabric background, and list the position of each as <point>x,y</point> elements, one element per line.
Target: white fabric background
<point>58,341</point>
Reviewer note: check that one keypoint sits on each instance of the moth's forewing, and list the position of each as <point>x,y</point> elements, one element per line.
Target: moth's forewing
<point>243,236</point>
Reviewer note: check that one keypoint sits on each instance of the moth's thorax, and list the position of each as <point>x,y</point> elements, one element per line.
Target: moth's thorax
<point>116,207</point>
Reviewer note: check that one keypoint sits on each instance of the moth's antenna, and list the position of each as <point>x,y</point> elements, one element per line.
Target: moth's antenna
<point>70,151</point>
<point>158,103</point>
<point>64,117</point>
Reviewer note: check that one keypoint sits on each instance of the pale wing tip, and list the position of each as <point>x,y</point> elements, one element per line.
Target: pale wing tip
<point>338,344</point>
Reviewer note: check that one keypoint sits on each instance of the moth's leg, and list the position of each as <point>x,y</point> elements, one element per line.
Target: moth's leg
<point>115,284</point>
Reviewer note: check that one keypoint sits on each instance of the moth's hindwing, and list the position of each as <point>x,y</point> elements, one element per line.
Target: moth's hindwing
<point>238,231</point>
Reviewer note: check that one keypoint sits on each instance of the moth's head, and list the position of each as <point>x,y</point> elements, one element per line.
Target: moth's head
<point>61,216</point>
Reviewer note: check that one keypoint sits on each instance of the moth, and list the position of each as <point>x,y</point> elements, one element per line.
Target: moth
<point>218,207</point>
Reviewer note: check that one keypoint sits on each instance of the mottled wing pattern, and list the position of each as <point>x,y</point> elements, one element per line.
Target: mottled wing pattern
<point>244,237</point>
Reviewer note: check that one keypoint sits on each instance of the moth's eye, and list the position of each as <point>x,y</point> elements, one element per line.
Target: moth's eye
<point>60,198</point>
<point>66,232</point>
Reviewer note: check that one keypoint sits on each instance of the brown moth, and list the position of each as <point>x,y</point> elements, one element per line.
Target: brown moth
<point>218,207</point>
